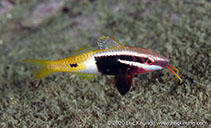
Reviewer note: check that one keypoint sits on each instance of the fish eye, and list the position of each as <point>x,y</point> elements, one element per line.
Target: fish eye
<point>148,61</point>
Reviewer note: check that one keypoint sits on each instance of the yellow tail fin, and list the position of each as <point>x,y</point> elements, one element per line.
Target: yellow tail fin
<point>44,67</point>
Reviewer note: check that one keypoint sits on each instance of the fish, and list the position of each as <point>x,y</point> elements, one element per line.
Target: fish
<point>111,58</point>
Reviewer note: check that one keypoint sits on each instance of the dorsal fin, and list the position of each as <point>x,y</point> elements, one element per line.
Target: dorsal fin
<point>81,51</point>
<point>105,42</point>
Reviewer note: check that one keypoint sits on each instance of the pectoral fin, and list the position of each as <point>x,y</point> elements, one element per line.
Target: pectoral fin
<point>123,82</point>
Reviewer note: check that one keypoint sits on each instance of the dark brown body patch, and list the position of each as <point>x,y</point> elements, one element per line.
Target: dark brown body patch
<point>110,65</point>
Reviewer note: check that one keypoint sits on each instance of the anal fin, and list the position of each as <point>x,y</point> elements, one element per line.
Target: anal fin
<point>123,82</point>
<point>85,76</point>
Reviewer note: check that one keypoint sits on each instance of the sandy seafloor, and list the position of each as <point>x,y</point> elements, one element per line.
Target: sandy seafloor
<point>178,29</point>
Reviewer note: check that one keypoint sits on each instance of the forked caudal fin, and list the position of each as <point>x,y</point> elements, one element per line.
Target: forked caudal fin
<point>176,74</point>
<point>44,67</point>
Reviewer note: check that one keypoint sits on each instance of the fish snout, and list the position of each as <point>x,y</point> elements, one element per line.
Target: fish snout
<point>162,62</point>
